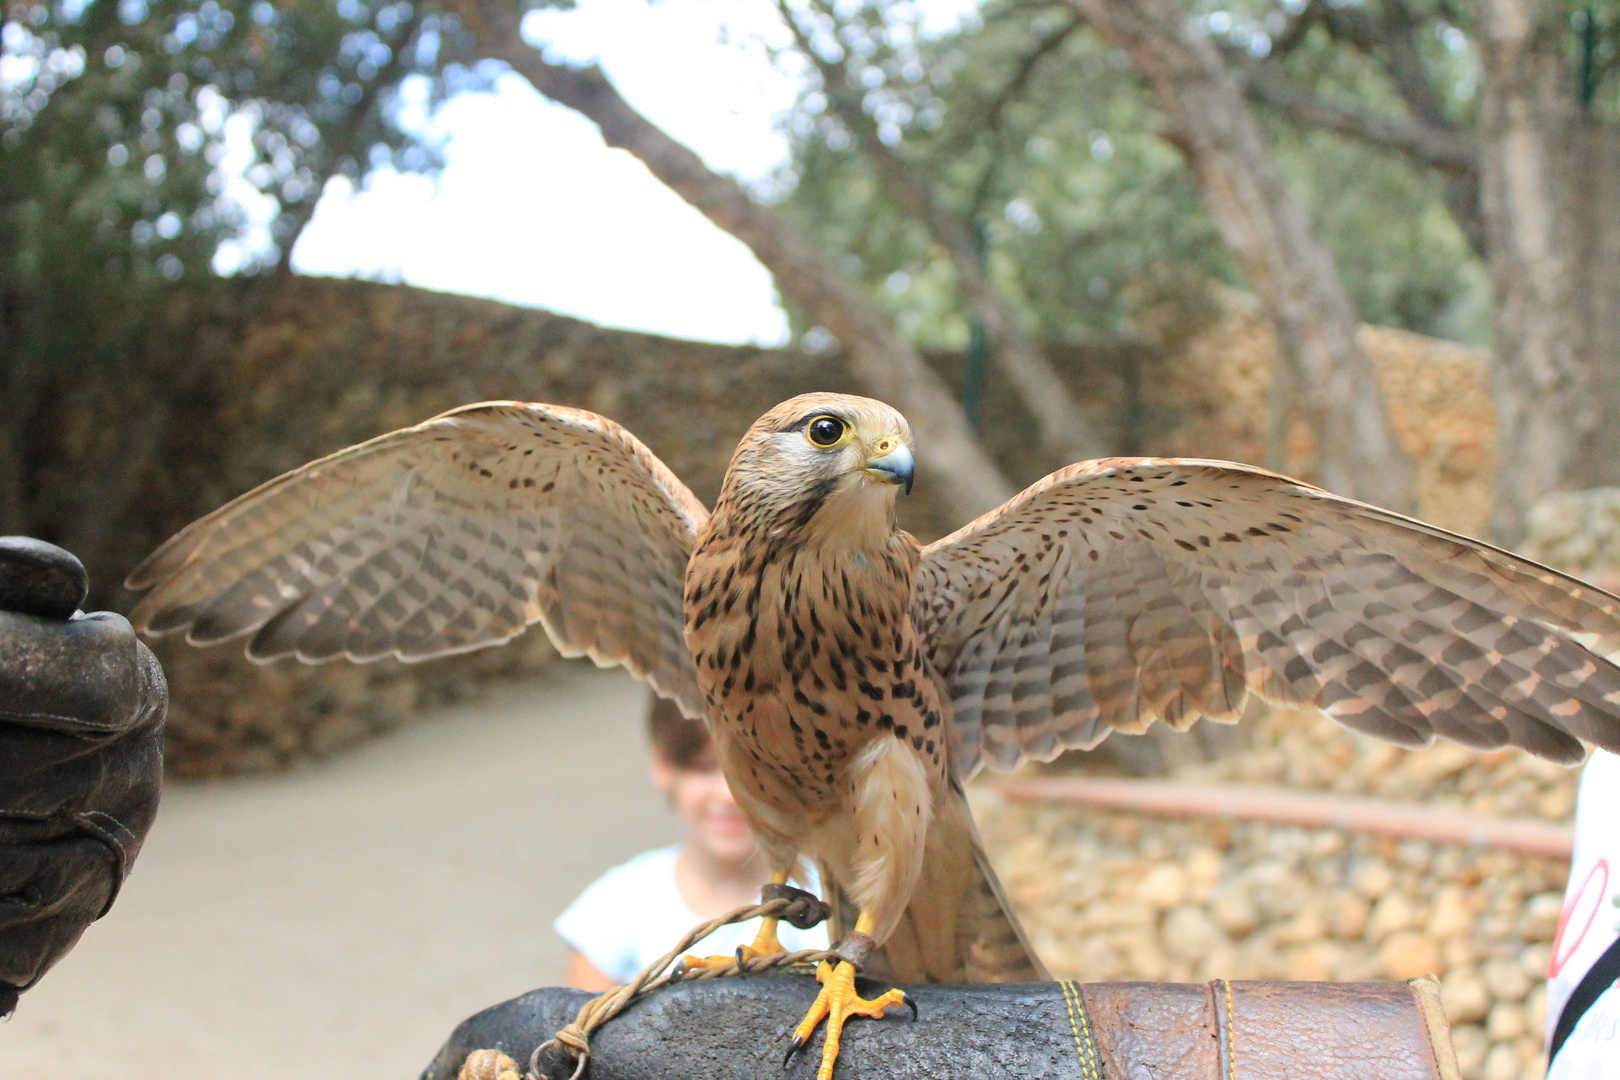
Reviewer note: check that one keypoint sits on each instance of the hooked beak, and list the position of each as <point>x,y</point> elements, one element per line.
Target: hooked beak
<point>893,465</point>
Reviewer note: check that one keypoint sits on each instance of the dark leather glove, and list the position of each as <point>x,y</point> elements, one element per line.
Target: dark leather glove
<point>81,758</point>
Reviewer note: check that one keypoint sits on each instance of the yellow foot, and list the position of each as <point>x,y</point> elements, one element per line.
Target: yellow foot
<point>765,944</point>
<point>838,1001</point>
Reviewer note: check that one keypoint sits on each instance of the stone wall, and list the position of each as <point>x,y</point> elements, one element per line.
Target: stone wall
<point>1110,895</point>
<point>1115,895</point>
<point>318,364</point>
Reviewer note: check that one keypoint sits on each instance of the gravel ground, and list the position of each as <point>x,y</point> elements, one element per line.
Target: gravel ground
<point>335,922</point>
<point>1113,895</point>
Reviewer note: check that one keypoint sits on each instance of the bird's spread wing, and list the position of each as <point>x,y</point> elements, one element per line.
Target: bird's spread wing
<point>1116,592</point>
<point>444,537</point>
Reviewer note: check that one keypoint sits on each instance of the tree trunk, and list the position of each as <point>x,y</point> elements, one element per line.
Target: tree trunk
<point>1063,427</point>
<point>1545,408</point>
<point>1596,192</point>
<point>1286,265</point>
<point>885,362</point>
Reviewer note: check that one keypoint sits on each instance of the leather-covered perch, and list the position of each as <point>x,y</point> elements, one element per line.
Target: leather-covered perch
<point>737,1028</point>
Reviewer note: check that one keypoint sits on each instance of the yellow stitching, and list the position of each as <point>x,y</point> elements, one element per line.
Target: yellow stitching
<point>1231,1034</point>
<point>1078,1022</point>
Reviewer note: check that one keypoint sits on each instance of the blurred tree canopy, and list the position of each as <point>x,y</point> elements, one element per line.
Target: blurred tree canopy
<point>116,117</point>
<point>1456,163</point>
<point>1041,136</point>
<point>149,142</point>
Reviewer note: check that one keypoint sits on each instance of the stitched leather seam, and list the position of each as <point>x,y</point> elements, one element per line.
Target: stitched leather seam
<point>1231,1028</point>
<point>1080,1027</point>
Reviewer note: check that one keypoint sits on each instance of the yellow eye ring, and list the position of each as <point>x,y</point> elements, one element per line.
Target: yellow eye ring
<point>825,431</point>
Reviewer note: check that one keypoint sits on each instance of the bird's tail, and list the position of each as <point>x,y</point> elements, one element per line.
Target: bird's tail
<point>958,926</point>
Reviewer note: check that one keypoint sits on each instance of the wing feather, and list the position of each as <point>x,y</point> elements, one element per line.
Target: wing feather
<point>452,535</point>
<point>1116,593</point>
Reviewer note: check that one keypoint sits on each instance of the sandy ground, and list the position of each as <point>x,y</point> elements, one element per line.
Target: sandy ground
<point>338,921</point>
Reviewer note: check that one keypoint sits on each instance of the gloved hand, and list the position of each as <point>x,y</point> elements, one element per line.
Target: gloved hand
<point>81,758</point>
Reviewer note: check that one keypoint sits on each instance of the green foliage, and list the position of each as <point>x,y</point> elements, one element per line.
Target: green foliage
<point>1045,138</point>
<point>143,142</point>
<point>113,120</point>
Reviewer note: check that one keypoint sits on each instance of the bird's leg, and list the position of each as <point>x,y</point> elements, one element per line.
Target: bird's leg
<point>765,942</point>
<point>837,1002</point>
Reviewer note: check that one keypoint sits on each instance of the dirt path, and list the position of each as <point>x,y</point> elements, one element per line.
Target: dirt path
<point>335,923</point>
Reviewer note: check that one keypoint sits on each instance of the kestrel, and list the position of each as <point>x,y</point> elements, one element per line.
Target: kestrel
<point>854,679</point>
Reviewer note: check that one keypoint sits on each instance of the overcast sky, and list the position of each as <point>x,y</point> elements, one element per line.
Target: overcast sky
<point>532,208</point>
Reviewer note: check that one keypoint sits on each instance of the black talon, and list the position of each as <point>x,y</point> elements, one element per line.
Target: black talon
<point>906,1000</point>
<point>741,960</point>
<point>787,1059</point>
<point>678,970</point>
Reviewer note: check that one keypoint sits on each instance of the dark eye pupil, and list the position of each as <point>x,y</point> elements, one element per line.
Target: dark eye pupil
<point>825,431</point>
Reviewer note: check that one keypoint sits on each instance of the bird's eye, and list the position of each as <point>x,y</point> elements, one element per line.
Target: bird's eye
<point>825,430</point>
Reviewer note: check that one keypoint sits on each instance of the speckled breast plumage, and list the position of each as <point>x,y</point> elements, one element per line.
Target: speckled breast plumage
<point>805,658</point>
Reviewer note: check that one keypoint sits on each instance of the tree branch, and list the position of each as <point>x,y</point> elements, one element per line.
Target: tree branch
<point>1062,426</point>
<point>340,145</point>
<point>1429,139</point>
<point>1284,262</point>
<point>885,362</point>
<point>993,119</point>
<point>1437,148</point>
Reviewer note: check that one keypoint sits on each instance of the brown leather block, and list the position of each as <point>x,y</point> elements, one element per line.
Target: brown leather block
<point>734,1029</point>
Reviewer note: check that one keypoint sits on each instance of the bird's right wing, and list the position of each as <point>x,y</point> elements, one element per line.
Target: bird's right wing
<point>445,537</point>
<point>1118,592</point>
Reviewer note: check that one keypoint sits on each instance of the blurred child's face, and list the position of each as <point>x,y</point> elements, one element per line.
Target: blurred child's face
<point>700,796</point>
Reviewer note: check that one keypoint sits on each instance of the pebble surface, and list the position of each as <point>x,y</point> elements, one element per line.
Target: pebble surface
<point>1108,894</point>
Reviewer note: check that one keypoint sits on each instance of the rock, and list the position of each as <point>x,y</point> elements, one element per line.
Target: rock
<point>1415,854</point>
<point>1392,913</point>
<point>1466,997</point>
<point>1471,1046</point>
<point>1451,914</point>
<point>1204,868</point>
<point>1221,963</point>
<point>1190,934</point>
<point>1435,764</point>
<point>1346,915</point>
<point>1539,919</point>
<point>1506,979</point>
<point>1316,961</point>
<point>1372,878</point>
<point>1278,892</point>
<point>1502,1063</point>
<point>1535,1013</point>
<point>1505,1022</point>
<point>1233,910</point>
<point>1307,926</point>
<point>1534,962</point>
<point>1408,954</point>
<point>1164,887</point>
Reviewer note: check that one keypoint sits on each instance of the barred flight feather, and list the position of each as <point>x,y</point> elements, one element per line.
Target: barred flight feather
<point>452,535</point>
<point>1169,589</point>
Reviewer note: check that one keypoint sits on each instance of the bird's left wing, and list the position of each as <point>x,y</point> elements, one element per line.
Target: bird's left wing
<point>1117,592</point>
<point>444,537</point>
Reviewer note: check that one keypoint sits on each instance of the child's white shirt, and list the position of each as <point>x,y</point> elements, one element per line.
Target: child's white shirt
<point>1589,925</point>
<point>633,914</point>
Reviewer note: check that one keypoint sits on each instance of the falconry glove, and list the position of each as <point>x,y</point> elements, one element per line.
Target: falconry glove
<point>81,758</point>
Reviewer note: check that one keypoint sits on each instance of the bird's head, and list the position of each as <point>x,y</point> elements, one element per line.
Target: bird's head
<point>829,463</point>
